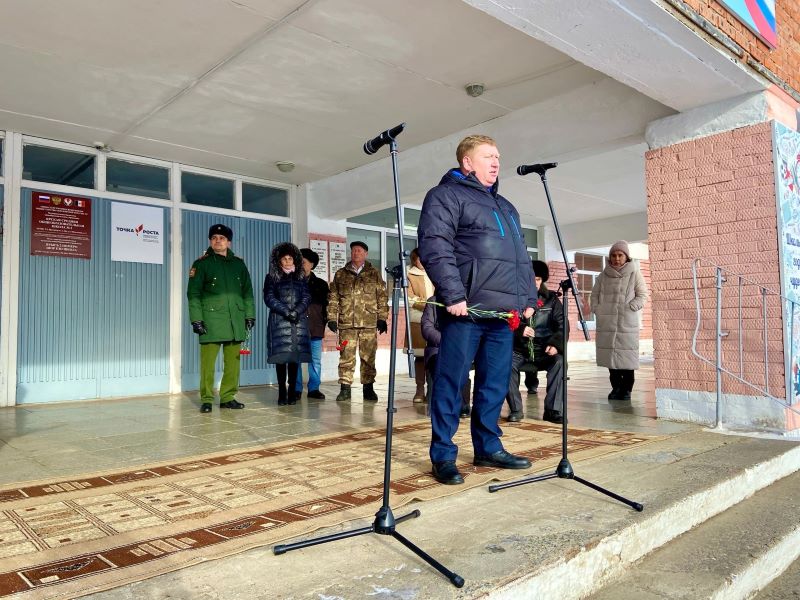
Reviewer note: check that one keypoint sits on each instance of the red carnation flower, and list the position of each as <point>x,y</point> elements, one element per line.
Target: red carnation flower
<point>539,303</point>
<point>341,345</point>
<point>513,320</point>
<point>245,351</point>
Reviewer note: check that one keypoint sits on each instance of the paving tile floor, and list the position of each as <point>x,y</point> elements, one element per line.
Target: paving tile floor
<point>39,441</point>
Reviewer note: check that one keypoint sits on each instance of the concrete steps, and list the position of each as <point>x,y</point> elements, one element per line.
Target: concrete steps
<point>732,555</point>
<point>785,587</point>
<point>730,512</point>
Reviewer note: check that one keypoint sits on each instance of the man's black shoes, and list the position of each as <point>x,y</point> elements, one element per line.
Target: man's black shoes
<point>515,417</point>
<point>315,395</point>
<point>231,404</point>
<point>502,460</point>
<point>205,407</point>
<point>553,416</point>
<point>447,473</point>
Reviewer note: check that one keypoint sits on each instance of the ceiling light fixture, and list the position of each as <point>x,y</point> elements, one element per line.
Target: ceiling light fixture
<point>474,89</point>
<point>285,166</point>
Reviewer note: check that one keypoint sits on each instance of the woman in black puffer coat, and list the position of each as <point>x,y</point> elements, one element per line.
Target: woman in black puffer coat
<point>287,297</point>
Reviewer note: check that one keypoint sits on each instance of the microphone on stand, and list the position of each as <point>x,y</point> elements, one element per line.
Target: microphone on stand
<point>538,168</point>
<point>373,145</point>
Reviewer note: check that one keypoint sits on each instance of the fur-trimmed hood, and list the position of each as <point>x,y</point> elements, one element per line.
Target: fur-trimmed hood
<point>282,249</point>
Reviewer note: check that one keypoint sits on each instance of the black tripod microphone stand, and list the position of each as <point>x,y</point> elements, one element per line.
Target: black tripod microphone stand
<point>564,469</point>
<point>385,522</point>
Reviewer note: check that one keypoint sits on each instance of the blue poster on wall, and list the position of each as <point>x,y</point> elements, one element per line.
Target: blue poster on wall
<point>786,145</point>
<point>758,16</point>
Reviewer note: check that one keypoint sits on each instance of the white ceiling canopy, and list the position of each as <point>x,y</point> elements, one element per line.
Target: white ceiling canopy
<point>241,85</point>
<point>238,85</point>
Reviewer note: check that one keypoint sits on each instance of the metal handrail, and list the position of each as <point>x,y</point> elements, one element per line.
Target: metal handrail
<point>717,361</point>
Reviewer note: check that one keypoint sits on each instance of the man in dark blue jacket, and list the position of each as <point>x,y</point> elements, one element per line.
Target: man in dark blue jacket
<point>471,244</point>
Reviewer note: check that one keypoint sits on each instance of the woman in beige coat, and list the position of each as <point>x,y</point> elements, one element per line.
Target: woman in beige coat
<point>420,288</point>
<point>617,297</point>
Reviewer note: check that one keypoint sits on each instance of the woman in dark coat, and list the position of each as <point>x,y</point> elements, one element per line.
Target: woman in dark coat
<point>287,297</point>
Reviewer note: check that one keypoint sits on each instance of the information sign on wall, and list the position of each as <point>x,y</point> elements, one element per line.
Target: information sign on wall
<point>338,256</point>
<point>332,255</point>
<point>61,226</point>
<point>321,248</point>
<point>758,16</point>
<point>786,144</point>
<point>137,233</point>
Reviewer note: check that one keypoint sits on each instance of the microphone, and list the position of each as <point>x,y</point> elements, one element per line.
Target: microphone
<point>373,145</point>
<point>539,168</point>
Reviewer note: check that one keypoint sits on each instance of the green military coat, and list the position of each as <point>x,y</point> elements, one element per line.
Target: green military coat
<point>220,294</point>
<point>357,300</point>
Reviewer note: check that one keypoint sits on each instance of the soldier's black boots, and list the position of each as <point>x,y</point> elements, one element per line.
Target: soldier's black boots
<point>369,393</point>
<point>344,393</point>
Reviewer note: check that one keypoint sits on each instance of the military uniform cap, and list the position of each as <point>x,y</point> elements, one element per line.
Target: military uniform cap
<point>220,229</point>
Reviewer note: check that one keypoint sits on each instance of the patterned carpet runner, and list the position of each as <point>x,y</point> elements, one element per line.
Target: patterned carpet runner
<point>68,538</point>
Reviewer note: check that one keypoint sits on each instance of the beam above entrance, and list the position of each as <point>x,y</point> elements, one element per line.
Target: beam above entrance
<point>637,42</point>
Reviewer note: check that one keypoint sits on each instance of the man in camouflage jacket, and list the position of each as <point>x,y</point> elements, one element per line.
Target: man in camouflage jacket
<point>357,309</point>
<point>222,310</point>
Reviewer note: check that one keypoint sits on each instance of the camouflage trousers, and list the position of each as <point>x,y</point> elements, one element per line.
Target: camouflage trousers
<point>366,341</point>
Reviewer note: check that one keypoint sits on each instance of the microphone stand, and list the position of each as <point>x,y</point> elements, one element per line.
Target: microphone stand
<point>564,469</point>
<point>385,522</point>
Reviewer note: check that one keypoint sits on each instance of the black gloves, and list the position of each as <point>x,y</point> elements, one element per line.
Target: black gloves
<point>199,327</point>
<point>333,326</point>
<point>382,326</point>
<point>291,316</point>
<point>249,323</point>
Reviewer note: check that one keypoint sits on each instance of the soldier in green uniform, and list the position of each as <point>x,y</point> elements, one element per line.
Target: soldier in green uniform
<point>221,310</point>
<point>357,307</point>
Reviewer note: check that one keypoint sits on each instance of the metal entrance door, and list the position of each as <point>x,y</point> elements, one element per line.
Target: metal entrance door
<point>91,328</point>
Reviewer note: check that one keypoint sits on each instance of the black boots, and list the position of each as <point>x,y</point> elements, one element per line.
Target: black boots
<point>369,393</point>
<point>344,393</point>
<point>553,416</point>
<point>282,395</point>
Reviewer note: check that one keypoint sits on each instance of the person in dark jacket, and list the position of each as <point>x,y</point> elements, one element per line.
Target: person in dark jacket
<point>548,350</point>
<point>317,319</point>
<point>287,297</point>
<point>222,311</point>
<point>429,325</point>
<point>471,245</point>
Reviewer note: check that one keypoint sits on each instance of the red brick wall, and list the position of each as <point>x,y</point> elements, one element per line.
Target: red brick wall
<point>558,273</point>
<point>784,61</point>
<point>646,332</point>
<point>714,198</point>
